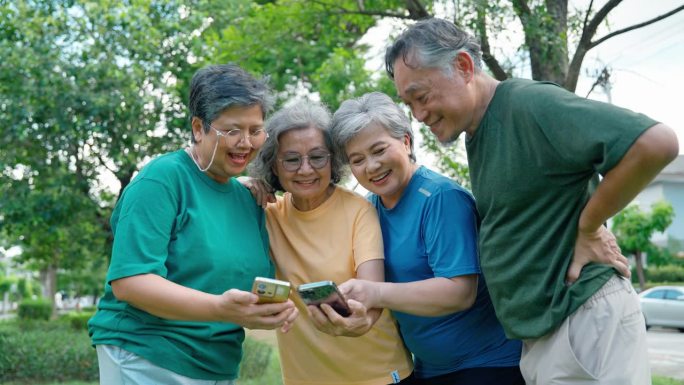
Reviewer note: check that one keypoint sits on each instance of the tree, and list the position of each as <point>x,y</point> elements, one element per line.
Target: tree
<point>312,46</point>
<point>633,229</point>
<point>85,88</point>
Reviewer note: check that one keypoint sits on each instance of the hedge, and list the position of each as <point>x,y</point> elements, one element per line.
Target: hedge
<point>34,351</point>
<point>35,309</point>
<point>655,274</point>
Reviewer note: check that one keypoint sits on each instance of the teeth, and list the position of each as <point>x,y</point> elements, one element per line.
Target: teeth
<point>380,177</point>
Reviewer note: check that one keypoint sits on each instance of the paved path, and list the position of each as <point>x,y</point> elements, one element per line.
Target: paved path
<point>666,352</point>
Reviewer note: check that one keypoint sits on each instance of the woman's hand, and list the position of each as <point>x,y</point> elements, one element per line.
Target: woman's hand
<point>241,307</point>
<point>327,320</point>
<point>262,192</point>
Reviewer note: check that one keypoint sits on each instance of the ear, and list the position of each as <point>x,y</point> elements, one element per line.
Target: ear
<point>197,128</point>
<point>407,143</point>
<point>464,65</point>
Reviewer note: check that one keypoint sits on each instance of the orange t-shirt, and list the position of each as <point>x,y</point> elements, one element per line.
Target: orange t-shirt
<point>329,243</point>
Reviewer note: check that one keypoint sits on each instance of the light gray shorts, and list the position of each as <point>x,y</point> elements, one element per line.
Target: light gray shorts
<point>603,342</point>
<point>121,367</point>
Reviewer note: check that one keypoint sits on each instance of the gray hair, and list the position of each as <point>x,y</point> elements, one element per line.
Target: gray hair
<point>301,115</point>
<point>216,88</point>
<point>355,115</point>
<point>432,43</point>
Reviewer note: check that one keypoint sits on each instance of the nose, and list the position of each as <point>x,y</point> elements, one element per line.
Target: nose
<point>372,164</point>
<point>419,113</point>
<point>244,141</point>
<point>305,167</point>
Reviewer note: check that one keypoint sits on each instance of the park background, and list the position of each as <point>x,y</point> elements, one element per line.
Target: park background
<point>91,90</point>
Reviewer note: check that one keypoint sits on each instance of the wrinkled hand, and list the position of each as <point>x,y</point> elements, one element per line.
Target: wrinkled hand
<point>599,246</point>
<point>366,292</point>
<point>241,307</point>
<point>262,192</point>
<point>327,320</point>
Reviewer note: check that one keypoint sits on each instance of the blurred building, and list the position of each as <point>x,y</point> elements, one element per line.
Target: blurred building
<point>669,186</point>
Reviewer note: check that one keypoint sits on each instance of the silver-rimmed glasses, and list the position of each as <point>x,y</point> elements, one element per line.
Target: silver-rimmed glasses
<point>317,159</point>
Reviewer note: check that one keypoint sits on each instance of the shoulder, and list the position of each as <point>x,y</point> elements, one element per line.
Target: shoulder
<point>431,184</point>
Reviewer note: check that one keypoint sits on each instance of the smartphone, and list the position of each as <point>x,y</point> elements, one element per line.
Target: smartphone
<point>316,293</point>
<point>270,290</point>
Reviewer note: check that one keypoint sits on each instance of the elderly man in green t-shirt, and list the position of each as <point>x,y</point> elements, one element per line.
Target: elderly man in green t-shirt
<point>536,151</point>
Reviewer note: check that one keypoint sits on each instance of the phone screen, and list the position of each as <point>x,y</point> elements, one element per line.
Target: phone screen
<point>317,293</point>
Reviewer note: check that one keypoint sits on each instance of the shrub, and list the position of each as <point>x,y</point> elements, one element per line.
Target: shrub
<point>256,356</point>
<point>668,273</point>
<point>45,351</point>
<point>35,309</point>
<point>77,320</point>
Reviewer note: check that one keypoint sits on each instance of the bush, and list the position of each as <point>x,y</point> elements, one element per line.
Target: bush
<point>77,320</point>
<point>37,351</point>
<point>256,356</point>
<point>668,273</point>
<point>35,309</point>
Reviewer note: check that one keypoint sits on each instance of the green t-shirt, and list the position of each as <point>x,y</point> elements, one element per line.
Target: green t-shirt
<point>534,163</point>
<point>178,223</point>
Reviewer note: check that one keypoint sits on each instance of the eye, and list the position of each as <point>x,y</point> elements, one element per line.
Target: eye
<point>232,133</point>
<point>379,151</point>
<point>356,161</point>
<point>423,98</point>
<point>255,133</point>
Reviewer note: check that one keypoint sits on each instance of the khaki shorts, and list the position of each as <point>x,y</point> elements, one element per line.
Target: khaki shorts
<point>603,342</point>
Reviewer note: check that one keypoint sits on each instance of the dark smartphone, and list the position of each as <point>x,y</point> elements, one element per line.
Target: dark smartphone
<point>316,293</point>
<point>271,290</point>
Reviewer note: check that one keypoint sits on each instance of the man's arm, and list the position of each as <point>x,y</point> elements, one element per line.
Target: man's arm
<point>651,152</point>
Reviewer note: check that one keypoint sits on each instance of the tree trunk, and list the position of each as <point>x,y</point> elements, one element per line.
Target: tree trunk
<point>640,269</point>
<point>48,279</point>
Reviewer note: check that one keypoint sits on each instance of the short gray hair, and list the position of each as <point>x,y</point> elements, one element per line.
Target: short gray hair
<point>355,115</point>
<point>301,115</point>
<point>216,88</point>
<point>432,43</point>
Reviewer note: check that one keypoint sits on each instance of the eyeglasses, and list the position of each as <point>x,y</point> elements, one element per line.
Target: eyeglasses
<point>317,160</point>
<point>255,138</point>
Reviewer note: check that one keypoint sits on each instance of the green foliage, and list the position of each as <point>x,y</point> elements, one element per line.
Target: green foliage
<point>35,309</point>
<point>663,274</point>
<point>450,158</point>
<point>256,356</point>
<point>633,227</point>
<point>78,320</point>
<point>270,373</point>
<point>47,351</point>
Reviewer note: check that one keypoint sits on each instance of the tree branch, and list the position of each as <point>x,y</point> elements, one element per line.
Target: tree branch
<point>344,11</point>
<point>636,26</point>
<point>487,56</point>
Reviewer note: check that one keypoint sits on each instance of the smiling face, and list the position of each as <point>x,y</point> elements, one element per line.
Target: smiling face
<point>310,187</point>
<point>231,156</point>
<point>381,163</point>
<point>445,103</point>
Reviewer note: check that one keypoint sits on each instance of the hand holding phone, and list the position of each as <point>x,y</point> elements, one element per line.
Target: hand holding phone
<point>316,293</point>
<point>270,290</point>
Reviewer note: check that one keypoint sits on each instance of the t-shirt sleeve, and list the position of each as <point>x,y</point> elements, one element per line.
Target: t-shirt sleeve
<point>588,133</point>
<point>143,231</point>
<point>450,233</point>
<point>367,236</point>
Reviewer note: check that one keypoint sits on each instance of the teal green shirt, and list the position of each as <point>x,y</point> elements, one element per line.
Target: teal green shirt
<point>176,222</point>
<point>534,163</point>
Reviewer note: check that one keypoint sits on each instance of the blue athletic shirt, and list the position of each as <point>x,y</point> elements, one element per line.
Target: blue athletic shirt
<point>432,232</point>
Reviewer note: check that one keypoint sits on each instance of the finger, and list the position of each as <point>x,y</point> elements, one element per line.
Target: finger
<point>317,316</point>
<point>573,272</point>
<point>622,268</point>
<point>357,307</point>
<point>333,316</point>
<point>242,297</point>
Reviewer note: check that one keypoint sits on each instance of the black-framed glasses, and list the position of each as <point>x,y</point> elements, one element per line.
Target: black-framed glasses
<point>292,162</point>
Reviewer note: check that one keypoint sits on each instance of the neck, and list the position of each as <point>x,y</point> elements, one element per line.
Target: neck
<point>486,88</point>
<point>303,204</point>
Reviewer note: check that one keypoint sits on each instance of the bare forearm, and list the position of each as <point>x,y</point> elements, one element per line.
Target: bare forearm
<point>430,297</point>
<point>165,299</point>
<point>643,161</point>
